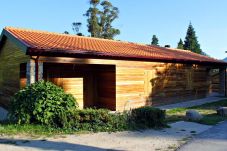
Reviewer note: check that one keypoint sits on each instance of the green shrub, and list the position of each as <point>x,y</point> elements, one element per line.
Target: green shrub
<point>91,119</point>
<point>42,103</point>
<point>147,117</point>
<point>46,104</point>
<point>120,121</point>
<point>99,120</point>
<point>102,120</point>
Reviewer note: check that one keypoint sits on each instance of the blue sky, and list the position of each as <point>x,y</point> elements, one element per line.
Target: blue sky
<point>138,20</point>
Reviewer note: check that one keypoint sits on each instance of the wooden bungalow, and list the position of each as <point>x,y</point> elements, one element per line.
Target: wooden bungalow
<point>106,73</point>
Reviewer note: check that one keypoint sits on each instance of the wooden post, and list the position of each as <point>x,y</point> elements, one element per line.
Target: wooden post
<point>34,71</point>
<point>30,72</point>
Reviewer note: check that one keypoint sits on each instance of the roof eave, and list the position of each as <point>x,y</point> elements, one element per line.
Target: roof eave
<point>23,46</point>
<point>51,53</point>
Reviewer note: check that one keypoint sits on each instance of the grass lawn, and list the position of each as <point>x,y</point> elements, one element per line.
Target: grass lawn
<point>208,111</point>
<point>32,130</point>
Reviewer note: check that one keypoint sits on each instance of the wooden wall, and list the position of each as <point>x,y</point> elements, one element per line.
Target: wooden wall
<point>91,85</point>
<point>65,77</point>
<point>105,85</point>
<point>116,84</point>
<point>216,83</point>
<point>10,59</point>
<point>160,83</point>
<point>151,83</point>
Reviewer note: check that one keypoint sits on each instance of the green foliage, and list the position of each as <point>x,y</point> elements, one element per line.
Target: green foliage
<point>191,42</point>
<point>212,119</point>
<point>76,28</point>
<point>148,117</point>
<point>98,120</point>
<point>154,40</point>
<point>46,104</point>
<point>180,44</point>
<point>32,130</point>
<point>94,120</point>
<point>66,32</point>
<point>100,20</point>
<point>42,103</point>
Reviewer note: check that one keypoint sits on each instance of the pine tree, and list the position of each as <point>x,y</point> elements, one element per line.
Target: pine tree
<point>154,40</point>
<point>191,43</point>
<point>180,44</point>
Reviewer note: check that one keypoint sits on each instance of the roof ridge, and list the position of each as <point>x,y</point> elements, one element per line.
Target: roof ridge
<point>69,35</point>
<point>86,37</point>
<point>178,49</point>
<point>76,44</point>
<point>189,51</point>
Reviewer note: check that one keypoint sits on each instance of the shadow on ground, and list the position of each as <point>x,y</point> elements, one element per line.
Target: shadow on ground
<point>51,145</point>
<point>128,140</point>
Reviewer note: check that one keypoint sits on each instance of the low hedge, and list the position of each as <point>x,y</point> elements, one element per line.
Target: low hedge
<point>99,120</point>
<point>147,117</point>
<point>103,120</point>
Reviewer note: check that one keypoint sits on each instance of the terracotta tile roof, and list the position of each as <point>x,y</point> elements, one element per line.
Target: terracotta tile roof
<point>47,43</point>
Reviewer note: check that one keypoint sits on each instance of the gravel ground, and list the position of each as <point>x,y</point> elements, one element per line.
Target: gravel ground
<point>152,140</point>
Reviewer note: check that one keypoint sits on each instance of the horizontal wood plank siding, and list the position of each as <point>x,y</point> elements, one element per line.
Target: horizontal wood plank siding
<point>151,83</point>
<point>10,59</point>
<point>91,85</point>
<point>216,83</point>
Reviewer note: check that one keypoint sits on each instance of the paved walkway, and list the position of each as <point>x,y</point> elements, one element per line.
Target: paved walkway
<point>192,103</point>
<point>146,140</point>
<point>214,139</point>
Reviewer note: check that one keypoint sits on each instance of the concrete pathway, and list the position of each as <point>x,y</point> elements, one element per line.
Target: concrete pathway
<point>192,103</point>
<point>214,139</point>
<point>147,140</point>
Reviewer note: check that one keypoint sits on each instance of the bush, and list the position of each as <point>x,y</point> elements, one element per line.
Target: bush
<point>42,103</point>
<point>99,120</point>
<point>120,121</point>
<point>102,120</point>
<point>46,104</point>
<point>147,117</point>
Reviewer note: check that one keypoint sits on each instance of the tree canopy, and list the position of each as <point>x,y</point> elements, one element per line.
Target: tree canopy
<point>180,44</point>
<point>76,28</point>
<point>154,40</point>
<point>191,42</point>
<point>99,21</point>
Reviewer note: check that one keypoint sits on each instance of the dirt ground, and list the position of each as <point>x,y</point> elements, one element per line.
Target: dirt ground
<point>152,140</point>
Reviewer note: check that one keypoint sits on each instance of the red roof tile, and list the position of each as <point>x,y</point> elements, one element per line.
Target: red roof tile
<point>47,43</point>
